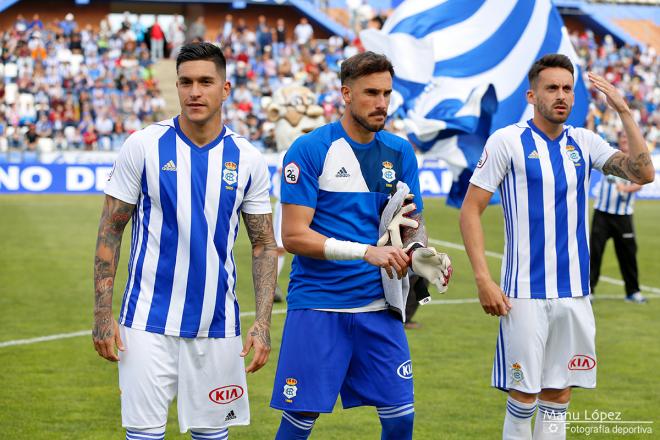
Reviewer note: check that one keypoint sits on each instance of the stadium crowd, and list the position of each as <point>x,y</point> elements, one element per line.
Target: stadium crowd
<point>72,87</point>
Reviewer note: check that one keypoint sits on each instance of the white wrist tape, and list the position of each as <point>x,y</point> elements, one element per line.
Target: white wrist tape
<point>343,250</point>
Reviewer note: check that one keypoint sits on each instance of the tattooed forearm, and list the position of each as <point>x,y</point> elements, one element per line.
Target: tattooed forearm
<point>261,331</point>
<point>116,214</point>
<point>264,268</point>
<point>410,235</point>
<point>631,168</point>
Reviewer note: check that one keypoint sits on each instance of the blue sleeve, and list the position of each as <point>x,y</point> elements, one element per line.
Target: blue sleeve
<point>410,175</point>
<point>300,173</point>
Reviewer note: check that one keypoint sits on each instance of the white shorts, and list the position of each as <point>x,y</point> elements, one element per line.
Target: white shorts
<point>546,343</point>
<point>207,375</point>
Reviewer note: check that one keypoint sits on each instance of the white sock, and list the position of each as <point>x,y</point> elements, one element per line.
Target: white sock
<point>145,433</point>
<point>209,434</point>
<point>550,423</point>
<point>518,420</point>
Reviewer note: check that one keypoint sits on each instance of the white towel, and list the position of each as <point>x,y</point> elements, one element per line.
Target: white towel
<point>396,291</point>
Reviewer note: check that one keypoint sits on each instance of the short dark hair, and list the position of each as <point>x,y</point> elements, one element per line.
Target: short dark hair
<point>205,52</point>
<point>364,63</point>
<point>547,61</point>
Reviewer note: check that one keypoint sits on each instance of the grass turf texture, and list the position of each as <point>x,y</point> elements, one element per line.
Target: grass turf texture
<point>61,389</point>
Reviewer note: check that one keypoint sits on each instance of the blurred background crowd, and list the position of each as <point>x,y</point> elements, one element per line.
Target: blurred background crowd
<point>87,86</point>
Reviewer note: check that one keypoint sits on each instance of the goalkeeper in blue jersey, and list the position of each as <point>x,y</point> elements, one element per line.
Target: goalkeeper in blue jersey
<point>339,337</point>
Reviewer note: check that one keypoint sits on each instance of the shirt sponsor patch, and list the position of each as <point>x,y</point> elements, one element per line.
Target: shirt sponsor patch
<point>226,394</point>
<point>291,172</point>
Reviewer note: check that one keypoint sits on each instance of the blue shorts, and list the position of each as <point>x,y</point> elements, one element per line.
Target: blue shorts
<point>363,356</point>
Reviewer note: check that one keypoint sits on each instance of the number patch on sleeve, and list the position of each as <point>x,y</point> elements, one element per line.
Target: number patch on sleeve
<point>291,173</point>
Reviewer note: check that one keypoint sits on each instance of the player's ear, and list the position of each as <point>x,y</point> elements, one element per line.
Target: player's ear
<point>531,99</point>
<point>226,90</point>
<point>346,94</point>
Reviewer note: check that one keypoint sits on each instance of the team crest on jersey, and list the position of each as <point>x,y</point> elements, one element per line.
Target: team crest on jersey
<point>573,155</point>
<point>516,372</point>
<point>389,175</point>
<point>290,389</point>
<point>229,173</point>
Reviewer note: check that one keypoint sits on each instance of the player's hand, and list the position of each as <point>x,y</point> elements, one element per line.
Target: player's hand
<point>393,260</point>
<point>432,265</point>
<point>106,336</point>
<point>614,98</point>
<point>258,337</point>
<point>492,299</point>
<point>393,233</point>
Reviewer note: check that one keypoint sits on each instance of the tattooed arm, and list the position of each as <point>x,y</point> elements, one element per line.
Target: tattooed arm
<point>264,275</point>
<point>114,218</point>
<point>636,164</point>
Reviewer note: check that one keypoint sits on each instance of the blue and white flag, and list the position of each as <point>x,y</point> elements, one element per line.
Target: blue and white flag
<point>461,72</point>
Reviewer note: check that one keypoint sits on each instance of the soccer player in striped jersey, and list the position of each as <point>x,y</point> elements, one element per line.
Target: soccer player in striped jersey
<point>613,218</point>
<point>545,343</point>
<point>184,181</point>
<point>339,337</point>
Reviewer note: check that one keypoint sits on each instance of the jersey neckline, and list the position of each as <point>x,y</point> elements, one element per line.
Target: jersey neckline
<point>354,143</point>
<point>543,135</point>
<point>191,144</point>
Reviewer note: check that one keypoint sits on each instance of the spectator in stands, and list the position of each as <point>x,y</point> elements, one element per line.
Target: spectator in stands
<point>264,35</point>
<point>303,32</point>
<point>197,31</point>
<point>157,39</point>
<point>280,37</point>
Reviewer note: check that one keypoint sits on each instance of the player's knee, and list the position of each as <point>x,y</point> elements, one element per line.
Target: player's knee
<point>522,397</point>
<point>397,422</point>
<point>556,396</point>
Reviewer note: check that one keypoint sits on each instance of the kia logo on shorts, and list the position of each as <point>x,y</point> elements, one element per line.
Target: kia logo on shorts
<point>226,394</point>
<point>581,362</point>
<point>405,370</point>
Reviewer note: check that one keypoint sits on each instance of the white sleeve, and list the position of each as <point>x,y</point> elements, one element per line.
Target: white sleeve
<point>257,198</point>
<point>599,150</point>
<point>493,165</point>
<point>125,179</point>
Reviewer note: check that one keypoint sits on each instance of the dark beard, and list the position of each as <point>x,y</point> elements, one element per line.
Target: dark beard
<point>547,114</point>
<point>370,127</point>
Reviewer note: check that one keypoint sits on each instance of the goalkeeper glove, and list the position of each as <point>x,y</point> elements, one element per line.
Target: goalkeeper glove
<point>393,232</point>
<point>430,264</point>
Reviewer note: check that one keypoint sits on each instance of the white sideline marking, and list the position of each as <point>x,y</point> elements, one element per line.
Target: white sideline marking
<point>653,291</point>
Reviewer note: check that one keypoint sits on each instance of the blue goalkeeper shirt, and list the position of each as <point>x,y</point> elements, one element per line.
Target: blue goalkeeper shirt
<point>348,185</point>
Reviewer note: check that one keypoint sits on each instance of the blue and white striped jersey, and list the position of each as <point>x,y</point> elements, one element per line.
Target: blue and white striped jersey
<point>544,185</point>
<point>348,185</point>
<point>610,200</point>
<point>181,274</point>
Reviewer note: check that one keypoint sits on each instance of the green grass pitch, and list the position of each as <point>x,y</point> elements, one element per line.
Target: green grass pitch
<point>61,389</point>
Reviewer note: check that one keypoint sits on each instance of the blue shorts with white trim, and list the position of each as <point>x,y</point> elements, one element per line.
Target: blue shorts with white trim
<point>362,356</point>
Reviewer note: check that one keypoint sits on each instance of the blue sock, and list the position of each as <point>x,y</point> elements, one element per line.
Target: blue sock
<point>397,421</point>
<point>294,426</point>
<point>210,434</point>
<point>145,434</point>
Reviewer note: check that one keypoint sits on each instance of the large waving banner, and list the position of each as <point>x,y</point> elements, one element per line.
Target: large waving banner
<point>461,72</point>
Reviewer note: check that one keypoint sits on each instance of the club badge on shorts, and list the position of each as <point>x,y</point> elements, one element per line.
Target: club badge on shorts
<point>290,389</point>
<point>516,372</point>
<point>389,175</point>
<point>573,155</point>
<point>229,173</point>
